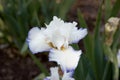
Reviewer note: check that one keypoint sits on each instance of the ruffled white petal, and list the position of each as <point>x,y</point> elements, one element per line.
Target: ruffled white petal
<point>56,22</point>
<point>71,33</point>
<point>37,40</point>
<point>68,30</point>
<point>77,35</point>
<point>67,59</point>
<point>118,58</point>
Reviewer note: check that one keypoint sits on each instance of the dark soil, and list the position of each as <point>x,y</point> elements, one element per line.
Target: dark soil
<point>15,67</point>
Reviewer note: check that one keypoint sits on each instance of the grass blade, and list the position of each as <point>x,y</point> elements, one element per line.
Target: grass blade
<point>88,41</point>
<point>115,9</point>
<point>98,52</point>
<point>83,69</point>
<point>39,64</point>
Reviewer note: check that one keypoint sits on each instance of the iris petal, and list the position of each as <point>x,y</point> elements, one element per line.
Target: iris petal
<point>67,59</point>
<point>37,40</point>
<point>77,34</point>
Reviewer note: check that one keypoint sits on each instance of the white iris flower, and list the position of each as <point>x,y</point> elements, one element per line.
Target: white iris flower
<point>56,38</point>
<point>58,35</point>
<point>67,59</point>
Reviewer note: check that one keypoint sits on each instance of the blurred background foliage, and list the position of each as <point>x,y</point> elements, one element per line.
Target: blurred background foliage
<point>100,60</point>
<point>18,16</point>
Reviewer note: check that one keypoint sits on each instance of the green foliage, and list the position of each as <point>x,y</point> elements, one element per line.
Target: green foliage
<point>40,65</point>
<point>99,62</point>
<point>84,71</point>
<point>88,40</point>
<point>50,8</point>
<point>108,8</point>
<point>115,9</point>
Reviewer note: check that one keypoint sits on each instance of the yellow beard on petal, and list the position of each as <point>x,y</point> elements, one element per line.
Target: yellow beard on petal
<point>61,48</point>
<point>51,45</point>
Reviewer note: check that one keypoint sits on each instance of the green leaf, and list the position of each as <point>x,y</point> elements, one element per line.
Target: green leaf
<point>39,64</point>
<point>40,77</point>
<point>115,9</point>
<point>112,58</point>
<point>64,7</point>
<point>83,69</point>
<point>14,30</point>
<point>116,39</point>
<point>107,71</point>
<point>107,9</point>
<point>88,77</point>
<point>98,52</point>
<point>81,19</point>
<point>24,48</point>
<point>75,46</point>
<point>88,40</point>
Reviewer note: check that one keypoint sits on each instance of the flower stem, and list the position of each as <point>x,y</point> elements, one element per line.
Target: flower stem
<point>39,64</point>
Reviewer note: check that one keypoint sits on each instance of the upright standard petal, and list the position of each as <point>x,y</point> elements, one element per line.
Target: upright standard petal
<point>67,59</point>
<point>37,40</point>
<point>67,30</point>
<point>56,22</point>
<point>58,40</point>
<point>60,32</point>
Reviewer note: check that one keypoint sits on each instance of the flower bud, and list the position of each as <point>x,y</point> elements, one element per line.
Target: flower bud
<point>110,29</point>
